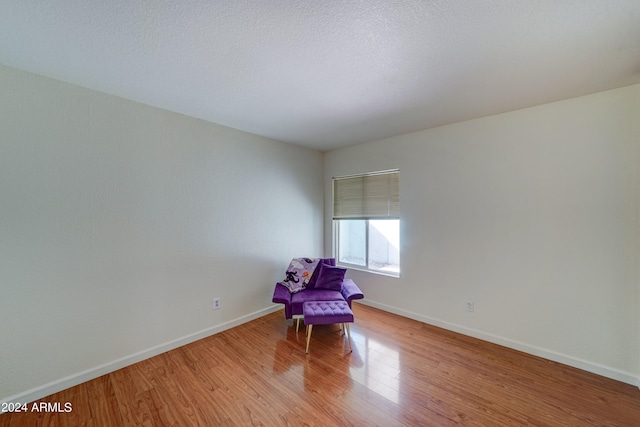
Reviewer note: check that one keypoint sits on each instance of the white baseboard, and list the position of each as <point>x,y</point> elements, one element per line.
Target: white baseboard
<point>585,365</point>
<point>89,374</point>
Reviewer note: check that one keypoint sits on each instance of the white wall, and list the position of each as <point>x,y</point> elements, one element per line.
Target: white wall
<point>637,138</point>
<point>532,215</point>
<point>120,222</point>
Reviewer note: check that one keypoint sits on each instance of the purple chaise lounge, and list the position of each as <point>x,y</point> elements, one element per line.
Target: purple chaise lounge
<point>293,302</point>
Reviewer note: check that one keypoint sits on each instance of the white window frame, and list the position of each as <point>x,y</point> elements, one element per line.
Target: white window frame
<point>336,254</point>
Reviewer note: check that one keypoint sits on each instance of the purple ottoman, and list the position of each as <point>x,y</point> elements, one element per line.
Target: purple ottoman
<point>325,313</point>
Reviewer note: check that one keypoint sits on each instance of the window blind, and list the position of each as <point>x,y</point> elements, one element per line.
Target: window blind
<point>369,196</point>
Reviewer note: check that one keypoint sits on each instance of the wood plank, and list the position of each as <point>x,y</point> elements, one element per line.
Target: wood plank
<point>194,378</point>
<point>103,402</point>
<point>80,414</point>
<point>132,406</point>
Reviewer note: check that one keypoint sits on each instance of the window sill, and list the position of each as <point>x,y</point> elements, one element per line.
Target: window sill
<point>366,270</point>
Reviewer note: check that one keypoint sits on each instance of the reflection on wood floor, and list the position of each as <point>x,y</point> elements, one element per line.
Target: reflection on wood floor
<point>401,372</point>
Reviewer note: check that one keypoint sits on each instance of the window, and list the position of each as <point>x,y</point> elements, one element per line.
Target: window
<point>366,217</point>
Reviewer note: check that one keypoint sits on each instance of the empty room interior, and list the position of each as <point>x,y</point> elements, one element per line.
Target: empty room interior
<point>162,163</point>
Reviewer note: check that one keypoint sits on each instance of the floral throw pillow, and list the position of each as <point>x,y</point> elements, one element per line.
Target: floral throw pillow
<point>299,273</point>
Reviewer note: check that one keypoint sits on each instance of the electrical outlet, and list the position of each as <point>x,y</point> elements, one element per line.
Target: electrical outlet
<point>216,303</point>
<point>470,306</point>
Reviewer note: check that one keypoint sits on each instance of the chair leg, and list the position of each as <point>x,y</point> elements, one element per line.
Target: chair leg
<point>309,328</point>
<point>349,336</point>
<point>297,324</point>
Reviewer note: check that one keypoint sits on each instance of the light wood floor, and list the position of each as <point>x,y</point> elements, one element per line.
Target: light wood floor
<point>401,372</point>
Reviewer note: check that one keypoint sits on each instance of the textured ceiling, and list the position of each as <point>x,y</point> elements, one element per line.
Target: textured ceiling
<point>326,74</point>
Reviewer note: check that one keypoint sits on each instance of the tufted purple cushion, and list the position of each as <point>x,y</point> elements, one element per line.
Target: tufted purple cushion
<point>326,312</point>
<point>313,295</point>
<point>329,277</point>
<point>314,276</point>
